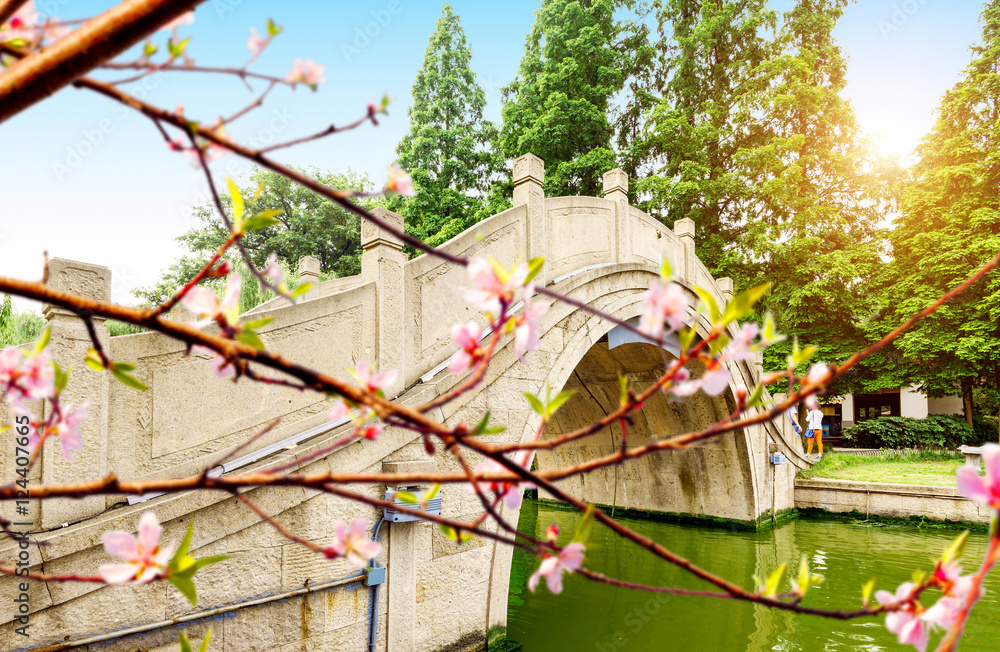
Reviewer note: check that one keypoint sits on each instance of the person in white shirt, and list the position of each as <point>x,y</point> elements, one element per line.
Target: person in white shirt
<point>814,430</point>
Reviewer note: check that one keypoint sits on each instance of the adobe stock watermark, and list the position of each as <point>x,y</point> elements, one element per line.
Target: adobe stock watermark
<point>363,37</point>
<point>635,621</point>
<point>900,15</point>
<point>92,138</point>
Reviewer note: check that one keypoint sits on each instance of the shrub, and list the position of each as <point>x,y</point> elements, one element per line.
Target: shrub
<point>936,431</point>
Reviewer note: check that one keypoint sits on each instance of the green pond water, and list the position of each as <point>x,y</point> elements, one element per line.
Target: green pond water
<point>592,617</point>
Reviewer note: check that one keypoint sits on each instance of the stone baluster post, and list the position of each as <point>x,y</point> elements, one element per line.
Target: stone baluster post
<point>402,568</point>
<point>382,262</point>
<point>684,229</point>
<point>529,174</point>
<point>616,189</point>
<point>309,273</point>
<point>725,288</point>
<point>69,344</point>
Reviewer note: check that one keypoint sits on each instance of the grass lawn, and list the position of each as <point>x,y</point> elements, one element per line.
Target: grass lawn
<point>927,468</point>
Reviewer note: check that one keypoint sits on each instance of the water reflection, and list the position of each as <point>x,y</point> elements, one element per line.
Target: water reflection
<point>599,618</point>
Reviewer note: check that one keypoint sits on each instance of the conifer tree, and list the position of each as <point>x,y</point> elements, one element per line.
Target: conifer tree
<point>713,69</point>
<point>557,108</point>
<point>817,192</point>
<point>948,226</point>
<point>447,150</point>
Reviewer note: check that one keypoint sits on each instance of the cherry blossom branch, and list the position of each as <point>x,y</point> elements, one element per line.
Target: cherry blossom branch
<point>8,8</point>
<point>954,635</point>
<point>100,39</point>
<point>44,577</point>
<point>756,598</point>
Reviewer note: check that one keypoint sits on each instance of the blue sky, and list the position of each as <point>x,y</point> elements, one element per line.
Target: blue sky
<point>88,181</point>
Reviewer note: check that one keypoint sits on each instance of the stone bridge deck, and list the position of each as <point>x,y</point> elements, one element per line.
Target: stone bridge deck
<point>397,314</point>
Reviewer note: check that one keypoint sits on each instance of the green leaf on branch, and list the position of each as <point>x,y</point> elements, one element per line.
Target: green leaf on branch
<point>61,377</point>
<point>756,397</point>
<point>866,591</point>
<point>742,304</point>
<point>183,566</point>
<point>686,337</point>
<point>584,525</point>
<point>666,271</point>
<point>774,581</point>
<point>458,536</point>
<point>301,289</point>
<point>257,323</point>
<point>128,379</point>
<point>261,220</point>
<point>799,356</point>
<point>622,389</point>
<point>407,497</point>
<point>957,548</point>
<point>93,360</point>
<point>536,404</point>
<point>708,303</point>
<point>43,341</point>
<point>272,28</point>
<point>534,267</point>
<point>250,338</point>
<point>186,644</point>
<point>717,344</point>
<point>237,200</point>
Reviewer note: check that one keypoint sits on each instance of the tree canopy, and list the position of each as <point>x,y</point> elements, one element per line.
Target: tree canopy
<point>448,149</point>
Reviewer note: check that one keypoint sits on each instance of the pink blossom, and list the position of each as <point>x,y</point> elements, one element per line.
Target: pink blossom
<point>256,44</point>
<point>663,303</point>
<point>742,346</point>
<point>569,560</point>
<point>144,559</point>
<point>552,533</point>
<point>339,410</point>
<point>467,337</point>
<point>817,373</point>
<point>492,291</point>
<point>526,331</point>
<point>183,19</point>
<point>715,379</point>
<point>509,492</point>
<point>273,269</point>
<point>68,428</point>
<point>306,71</point>
<point>207,307</point>
<point>370,432</point>
<point>353,543</point>
<point>26,377</point>
<point>681,386</point>
<point>371,380</point>
<point>944,613</point>
<point>399,181</point>
<point>905,622</point>
<point>985,490</point>
<point>220,366</point>
<point>22,24</point>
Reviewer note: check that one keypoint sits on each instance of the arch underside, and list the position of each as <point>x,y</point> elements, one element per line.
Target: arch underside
<point>713,480</point>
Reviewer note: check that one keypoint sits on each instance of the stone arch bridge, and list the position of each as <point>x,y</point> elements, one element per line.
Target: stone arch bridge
<point>397,313</point>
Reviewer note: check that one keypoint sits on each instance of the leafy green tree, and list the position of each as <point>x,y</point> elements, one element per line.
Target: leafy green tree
<point>574,63</point>
<point>715,64</point>
<point>17,327</point>
<point>948,227</point>
<point>448,148</point>
<point>309,225</point>
<point>817,192</point>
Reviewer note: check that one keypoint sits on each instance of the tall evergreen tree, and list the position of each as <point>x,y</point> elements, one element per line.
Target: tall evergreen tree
<point>557,107</point>
<point>818,192</point>
<point>948,226</point>
<point>447,150</point>
<point>714,67</point>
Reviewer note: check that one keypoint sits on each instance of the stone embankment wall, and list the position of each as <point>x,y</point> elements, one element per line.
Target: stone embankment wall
<point>888,499</point>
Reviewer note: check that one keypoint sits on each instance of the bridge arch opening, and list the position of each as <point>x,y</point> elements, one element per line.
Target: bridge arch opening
<point>710,481</point>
